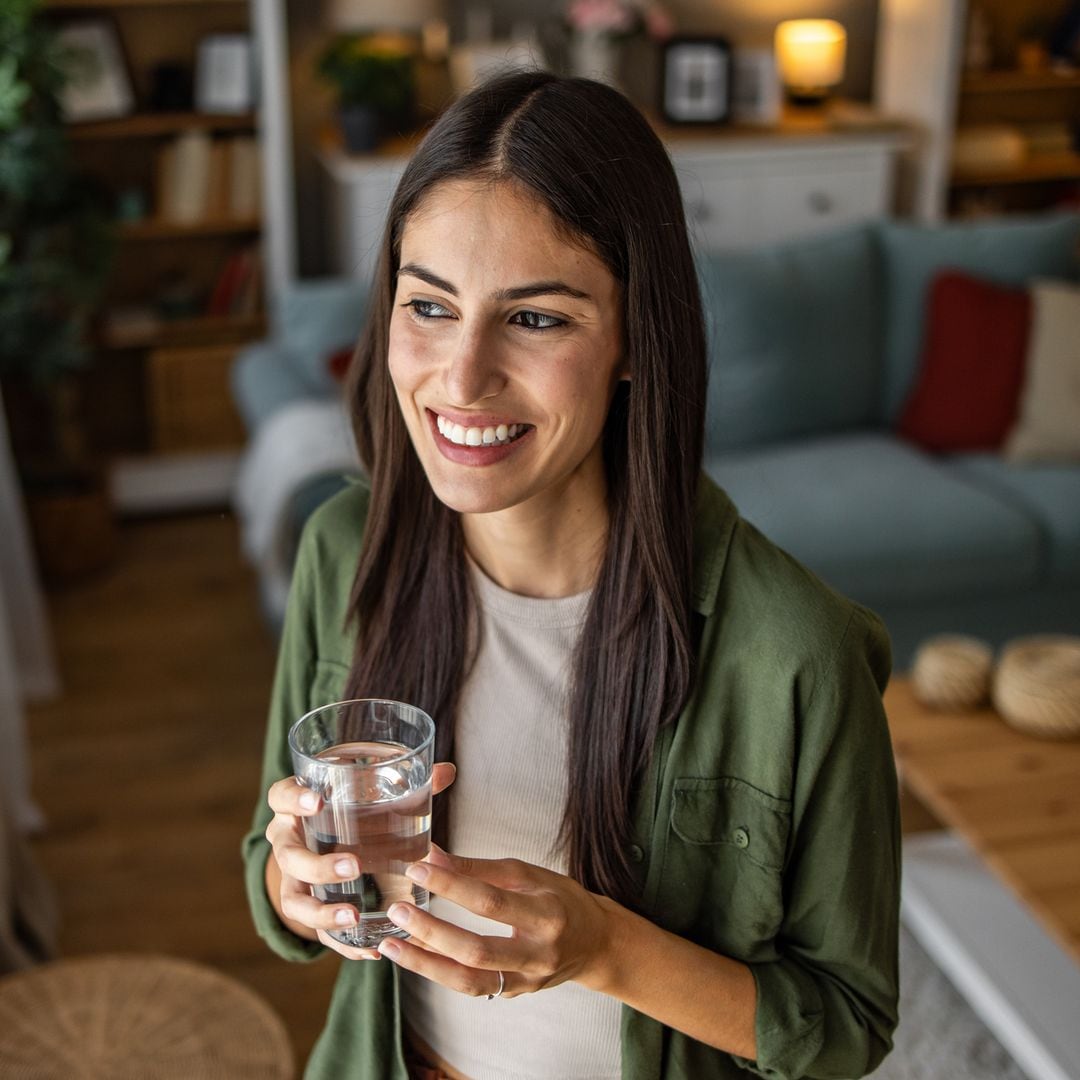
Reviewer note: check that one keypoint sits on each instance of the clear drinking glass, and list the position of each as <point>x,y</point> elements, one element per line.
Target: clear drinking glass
<point>371,762</point>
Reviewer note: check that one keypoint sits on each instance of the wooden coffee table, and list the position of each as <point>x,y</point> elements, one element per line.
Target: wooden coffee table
<point>994,897</point>
<point>1014,798</point>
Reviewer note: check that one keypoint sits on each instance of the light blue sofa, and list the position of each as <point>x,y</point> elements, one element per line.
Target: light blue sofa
<point>814,347</point>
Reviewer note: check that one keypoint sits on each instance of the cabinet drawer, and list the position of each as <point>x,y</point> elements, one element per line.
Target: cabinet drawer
<point>719,203</point>
<point>808,201</point>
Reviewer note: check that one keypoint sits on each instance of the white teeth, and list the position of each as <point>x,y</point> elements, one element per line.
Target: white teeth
<point>475,436</point>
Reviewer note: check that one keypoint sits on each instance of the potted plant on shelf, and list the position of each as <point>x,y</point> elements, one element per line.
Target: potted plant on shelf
<point>56,246</point>
<point>374,78</point>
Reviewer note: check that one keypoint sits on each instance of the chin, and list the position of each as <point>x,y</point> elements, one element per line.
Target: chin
<point>474,497</point>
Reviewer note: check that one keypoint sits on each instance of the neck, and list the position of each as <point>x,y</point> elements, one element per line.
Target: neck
<point>550,546</point>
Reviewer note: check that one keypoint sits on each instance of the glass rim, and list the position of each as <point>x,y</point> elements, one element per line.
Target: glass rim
<point>428,739</point>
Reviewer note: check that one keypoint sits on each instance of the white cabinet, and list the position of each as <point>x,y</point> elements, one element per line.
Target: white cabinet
<point>739,191</point>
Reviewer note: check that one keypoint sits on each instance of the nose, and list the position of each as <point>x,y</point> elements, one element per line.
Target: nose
<point>473,371</point>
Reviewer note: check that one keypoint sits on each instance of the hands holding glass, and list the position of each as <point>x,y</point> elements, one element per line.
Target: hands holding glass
<point>351,836</point>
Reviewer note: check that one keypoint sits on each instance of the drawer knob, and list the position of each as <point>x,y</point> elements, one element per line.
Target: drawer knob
<point>821,202</point>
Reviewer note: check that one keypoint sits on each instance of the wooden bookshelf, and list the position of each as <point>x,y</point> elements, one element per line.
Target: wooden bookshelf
<point>163,264</point>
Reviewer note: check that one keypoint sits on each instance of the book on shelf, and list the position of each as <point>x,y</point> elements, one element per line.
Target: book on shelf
<point>200,178</point>
<point>236,292</point>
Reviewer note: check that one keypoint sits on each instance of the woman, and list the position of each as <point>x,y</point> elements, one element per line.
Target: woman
<point>672,843</point>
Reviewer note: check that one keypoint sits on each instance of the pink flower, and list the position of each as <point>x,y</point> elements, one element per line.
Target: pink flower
<point>605,16</point>
<point>658,23</point>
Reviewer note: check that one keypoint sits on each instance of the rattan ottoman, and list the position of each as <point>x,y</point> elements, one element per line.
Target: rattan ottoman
<point>137,1017</point>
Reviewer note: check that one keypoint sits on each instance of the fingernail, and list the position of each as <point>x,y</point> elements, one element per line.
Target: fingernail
<point>345,917</point>
<point>418,872</point>
<point>389,947</point>
<point>399,913</point>
<point>345,868</point>
<point>309,800</point>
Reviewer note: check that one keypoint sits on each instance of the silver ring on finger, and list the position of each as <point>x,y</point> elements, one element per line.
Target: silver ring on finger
<point>502,987</point>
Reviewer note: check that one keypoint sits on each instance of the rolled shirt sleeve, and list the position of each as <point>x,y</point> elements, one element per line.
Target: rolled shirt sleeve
<point>828,1006</point>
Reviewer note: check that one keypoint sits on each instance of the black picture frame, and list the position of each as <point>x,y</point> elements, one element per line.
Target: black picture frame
<point>696,80</point>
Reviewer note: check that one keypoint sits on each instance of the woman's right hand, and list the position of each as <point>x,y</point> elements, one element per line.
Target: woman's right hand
<point>293,869</point>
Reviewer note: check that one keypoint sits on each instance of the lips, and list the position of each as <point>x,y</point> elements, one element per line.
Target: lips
<point>484,440</point>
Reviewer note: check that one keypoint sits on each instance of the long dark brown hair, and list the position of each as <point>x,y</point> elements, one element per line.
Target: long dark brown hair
<point>591,157</point>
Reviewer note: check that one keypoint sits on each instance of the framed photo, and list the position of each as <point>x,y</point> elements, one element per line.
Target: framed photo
<point>98,85</point>
<point>696,80</point>
<point>224,75</point>
<point>755,87</point>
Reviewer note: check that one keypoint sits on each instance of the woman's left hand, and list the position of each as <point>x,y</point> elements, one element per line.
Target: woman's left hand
<point>561,931</point>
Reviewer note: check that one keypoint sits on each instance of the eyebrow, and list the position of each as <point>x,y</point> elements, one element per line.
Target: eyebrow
<point>519,292</point>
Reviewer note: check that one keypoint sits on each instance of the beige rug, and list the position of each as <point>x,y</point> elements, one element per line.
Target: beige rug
<point>939,1036</point>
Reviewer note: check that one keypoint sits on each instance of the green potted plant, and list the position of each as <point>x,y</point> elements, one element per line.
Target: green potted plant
<point>56,246</point>
<point>374,79</point>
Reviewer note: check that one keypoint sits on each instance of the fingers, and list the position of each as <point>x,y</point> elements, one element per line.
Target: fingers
<point>350,952</point>
<point>448,972</point>
<point>503,904</point>
<point>300,906</point>
<point>469,949</point>
<point>297,862</point>
<point>512,874</point>
<point>289,796</point>
<point>442,776</point>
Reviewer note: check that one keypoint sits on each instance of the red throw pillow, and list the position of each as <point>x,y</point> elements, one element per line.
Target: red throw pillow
<point>966,394</point>
<point>338,362</point>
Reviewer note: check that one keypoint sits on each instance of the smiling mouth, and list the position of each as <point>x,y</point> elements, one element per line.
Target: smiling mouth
<point>494,435</point>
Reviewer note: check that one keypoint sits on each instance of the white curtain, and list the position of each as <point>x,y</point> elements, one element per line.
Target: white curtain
<point>27,667</point>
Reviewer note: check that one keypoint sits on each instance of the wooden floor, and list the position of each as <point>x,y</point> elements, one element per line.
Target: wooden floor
<point>147,768</point>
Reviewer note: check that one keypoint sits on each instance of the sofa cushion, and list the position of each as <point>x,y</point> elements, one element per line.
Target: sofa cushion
<point>878,518</point>
<point>1049,493</point>
<point>317,316</point>
<point>1010,251</point>
<point>794,338</point>
<point>1049,426</point>
<point>967,393</point>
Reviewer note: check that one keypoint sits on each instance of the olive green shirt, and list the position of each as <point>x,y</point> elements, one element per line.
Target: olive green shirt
<point>766,827</point>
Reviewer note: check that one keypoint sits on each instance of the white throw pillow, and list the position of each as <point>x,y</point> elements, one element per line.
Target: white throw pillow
<point>1048,428</point>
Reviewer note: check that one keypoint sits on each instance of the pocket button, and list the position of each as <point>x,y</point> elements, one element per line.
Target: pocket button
<point>636,853</point>
<point>741,838</point>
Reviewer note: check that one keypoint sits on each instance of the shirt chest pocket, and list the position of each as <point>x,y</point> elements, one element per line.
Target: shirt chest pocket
<point>723,868</point>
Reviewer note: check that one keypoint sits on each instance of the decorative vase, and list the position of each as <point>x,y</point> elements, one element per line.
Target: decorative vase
<point>361,128</point>
<point>595,55</point>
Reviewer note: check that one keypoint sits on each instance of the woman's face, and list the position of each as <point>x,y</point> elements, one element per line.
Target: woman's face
<point>504,349</point>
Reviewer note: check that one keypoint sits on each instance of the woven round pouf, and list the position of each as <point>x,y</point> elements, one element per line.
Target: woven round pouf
<point>137,1018</point>
<point>952,672</point>
<point>1037,685</point>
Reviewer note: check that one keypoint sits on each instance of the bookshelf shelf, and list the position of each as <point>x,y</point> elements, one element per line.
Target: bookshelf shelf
<point>168,230</point>
<point>77,5</point>
<point>205,330</point>
<point>1038,168</point>
<point>1009,82</point>
<point>149,125</point>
